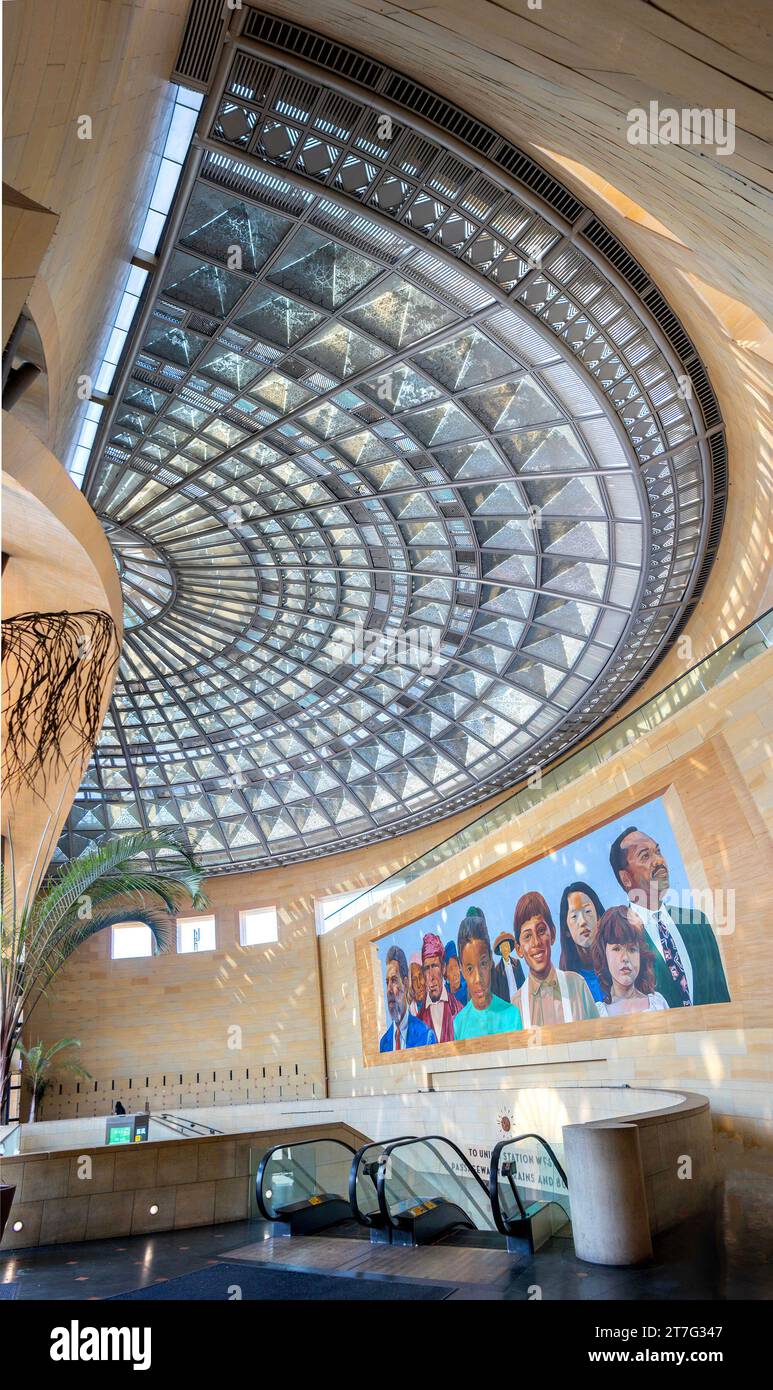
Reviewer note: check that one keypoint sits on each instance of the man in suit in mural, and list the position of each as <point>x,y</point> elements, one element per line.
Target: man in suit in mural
<point>688,966</point>
<point>405,1030</point>
<point>441,1007</point>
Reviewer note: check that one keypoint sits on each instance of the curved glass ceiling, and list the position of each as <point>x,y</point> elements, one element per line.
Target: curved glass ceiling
<point>328,425</point>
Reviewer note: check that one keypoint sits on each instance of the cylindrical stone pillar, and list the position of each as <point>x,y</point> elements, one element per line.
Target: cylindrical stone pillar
<point>610,1220</point>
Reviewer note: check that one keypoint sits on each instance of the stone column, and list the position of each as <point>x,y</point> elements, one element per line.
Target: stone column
<point>610,1220</point>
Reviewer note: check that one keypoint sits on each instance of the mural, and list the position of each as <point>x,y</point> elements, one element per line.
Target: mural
<point>603,927</point>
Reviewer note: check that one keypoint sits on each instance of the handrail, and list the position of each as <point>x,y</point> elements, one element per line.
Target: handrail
<point>179,1123</point>
<point>361,1216</point>
<point>275,1148</point>
<point>422,1139</point>
<point>493,1177</point>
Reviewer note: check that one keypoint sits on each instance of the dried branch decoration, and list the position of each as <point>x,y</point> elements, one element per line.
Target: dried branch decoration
<point>55,668</point>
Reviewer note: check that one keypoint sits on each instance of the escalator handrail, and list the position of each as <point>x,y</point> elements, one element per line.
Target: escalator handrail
<point>493,1177</point>
<point>166,1118</point>
<point>361,1216</point>
<point>302,1143</point>
<point>421,1139</point>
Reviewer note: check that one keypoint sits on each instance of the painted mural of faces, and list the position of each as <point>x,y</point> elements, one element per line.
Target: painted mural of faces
<point>433,975</point>
<point>644,874</point>
<point>453,974</point>
<point>582,920</point>
<point>535,940</point>
<point>396,991</point>
<point>418,986</point>
<point>476,968</point>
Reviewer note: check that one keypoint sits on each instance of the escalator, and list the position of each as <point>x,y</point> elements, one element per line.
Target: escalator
<point>429,1193</point>
<point>303,1187</point>
<point>363,1190</point>
<point>417,1191</point>
<point>529,1193</point>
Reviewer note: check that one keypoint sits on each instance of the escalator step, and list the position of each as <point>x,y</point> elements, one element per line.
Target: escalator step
<point>480,1240</point>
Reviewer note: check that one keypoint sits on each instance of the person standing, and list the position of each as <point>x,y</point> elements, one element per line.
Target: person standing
<point>688,966</point>
<point>404,1030</point>
<point>579,915</point>
<point>625,965</point>
<point>549,995</point>
<point>454,981</point>
<point>441,1007</point>
<point>485,1012</point>
<point>508,973</point>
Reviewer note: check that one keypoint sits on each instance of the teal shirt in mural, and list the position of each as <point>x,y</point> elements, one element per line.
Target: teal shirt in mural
<point>499,1017</point>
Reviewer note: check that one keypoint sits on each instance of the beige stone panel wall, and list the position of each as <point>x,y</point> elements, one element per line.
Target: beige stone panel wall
<point>64,59</point>
<point>170,1015</point>
<point>48,530</point>
<point>193,1182</point>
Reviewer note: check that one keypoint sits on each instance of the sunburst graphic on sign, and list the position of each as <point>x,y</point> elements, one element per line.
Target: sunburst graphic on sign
<point>505,1122</point>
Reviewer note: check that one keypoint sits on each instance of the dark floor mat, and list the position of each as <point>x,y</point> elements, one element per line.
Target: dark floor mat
<point>219,1283</point>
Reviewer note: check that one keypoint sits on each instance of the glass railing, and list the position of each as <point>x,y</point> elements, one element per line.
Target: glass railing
<point>697,681</point>
<point>431,1170</point>
<point>363,1183</point>
<point>291,1173</point>
<point>10,1139</point>
<point>526,1176</point>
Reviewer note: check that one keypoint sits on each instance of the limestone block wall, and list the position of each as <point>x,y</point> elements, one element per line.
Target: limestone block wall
<point>194,1182</point>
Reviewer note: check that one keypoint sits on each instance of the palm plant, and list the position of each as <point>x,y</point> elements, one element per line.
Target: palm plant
<point>110,883</point>
<point>37,1060</point>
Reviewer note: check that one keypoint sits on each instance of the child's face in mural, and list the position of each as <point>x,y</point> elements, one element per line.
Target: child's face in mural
<point>433,974</point>
<point>534,945</point>
<point>582,920</point>
<point>395,991</point>
<point>417,984</point>
<point>453,974</point>
<point>623,958</point>
<point>505,949</point>
<point>476,964</point>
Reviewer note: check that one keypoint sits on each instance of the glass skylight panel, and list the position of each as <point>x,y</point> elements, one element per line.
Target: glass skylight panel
<point>340,350</point>
<point>399,314</point>
<point>268,314</point>
<point>330,473</point>
<point>321,271</point>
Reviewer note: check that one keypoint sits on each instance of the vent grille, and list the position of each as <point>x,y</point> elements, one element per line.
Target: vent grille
<point>201,43</point>
<point>315,48</point>
<point>625,264</point>
<point>515,162</point>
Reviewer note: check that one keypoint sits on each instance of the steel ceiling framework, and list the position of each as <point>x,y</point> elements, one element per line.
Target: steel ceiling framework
<point>418,397</point>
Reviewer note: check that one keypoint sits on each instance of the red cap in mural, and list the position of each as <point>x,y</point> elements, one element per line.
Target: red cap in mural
<point>431,946</point>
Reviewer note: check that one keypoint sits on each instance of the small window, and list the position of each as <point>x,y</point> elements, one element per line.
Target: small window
<point>195,934</point>
<point>130,940</point>
<point>258,926</point>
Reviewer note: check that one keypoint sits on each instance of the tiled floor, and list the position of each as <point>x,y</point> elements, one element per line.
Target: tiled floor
<point>725,1254</point>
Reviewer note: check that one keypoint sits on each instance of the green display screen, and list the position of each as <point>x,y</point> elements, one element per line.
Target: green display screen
<point>120,1134</point>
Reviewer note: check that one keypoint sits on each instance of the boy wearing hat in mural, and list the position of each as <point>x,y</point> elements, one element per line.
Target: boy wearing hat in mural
<point>508,973</point>
<point>453,974</point>
<point>440,1008</point>
<point>485,1012</point>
